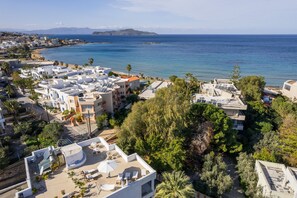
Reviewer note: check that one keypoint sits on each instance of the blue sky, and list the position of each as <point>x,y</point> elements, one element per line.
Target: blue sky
<point>163,16</point>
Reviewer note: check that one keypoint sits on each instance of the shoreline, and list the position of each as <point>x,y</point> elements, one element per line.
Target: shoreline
<point>38,57</point>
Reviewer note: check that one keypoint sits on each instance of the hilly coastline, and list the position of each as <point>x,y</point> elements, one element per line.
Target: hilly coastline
<point>125,32</point>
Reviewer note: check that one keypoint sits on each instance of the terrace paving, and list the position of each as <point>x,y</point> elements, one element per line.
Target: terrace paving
<point>60,180</point>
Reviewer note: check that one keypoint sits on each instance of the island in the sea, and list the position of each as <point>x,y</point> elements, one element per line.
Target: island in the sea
<point>125,32</point>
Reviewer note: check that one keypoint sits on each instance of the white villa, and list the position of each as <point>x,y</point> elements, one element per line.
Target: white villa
<point>151,90</point>
<point>226,96</point>
<point>105,171</point>
<point>277,180</point>
<point>290,90</point>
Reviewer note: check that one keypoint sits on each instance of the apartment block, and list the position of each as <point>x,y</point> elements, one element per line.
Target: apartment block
<point>89,91</point>
<point>223,94</point>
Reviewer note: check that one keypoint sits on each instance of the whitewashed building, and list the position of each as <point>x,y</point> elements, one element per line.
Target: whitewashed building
<point>223,94</point>
<point>290,90</point>
<point>276,180</point>
<point>130,177</point>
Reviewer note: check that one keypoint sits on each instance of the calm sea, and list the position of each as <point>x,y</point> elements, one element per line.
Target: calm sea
<point>206,56</point>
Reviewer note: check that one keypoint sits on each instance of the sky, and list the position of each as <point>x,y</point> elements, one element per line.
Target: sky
<point>161,16</point>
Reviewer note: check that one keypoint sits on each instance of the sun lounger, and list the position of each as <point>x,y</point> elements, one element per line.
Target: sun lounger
<point>135,175</point>
<point>90,171</point>
<point>93,176</point>
<point>107,187</point>
<point>127,176</point>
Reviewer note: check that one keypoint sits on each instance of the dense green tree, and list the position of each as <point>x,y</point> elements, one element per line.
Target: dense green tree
<point>252,87</point>
<point>132,98</point>
<point>12,106</point>
<point>172,78</point>
<point>101,121</point>
<point>50,134</point>
<point>10,91</point>
<point>23,128</point>
<point>91,61</point>
<point>4,160</point>
<point>154,126</point>
<point>224,137</point>
<point>5,66</point>
<point>214,174</point>
<point>175,185</point>
<point>288,140</point>
<point>235,76</point>
<point>193,83</point>
<point>129,68</point>
<point>248,176</point>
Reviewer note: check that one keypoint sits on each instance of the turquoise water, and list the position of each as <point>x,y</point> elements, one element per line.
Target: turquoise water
<point>206,56</point>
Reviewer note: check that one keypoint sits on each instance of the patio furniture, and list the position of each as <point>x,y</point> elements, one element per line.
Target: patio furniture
<point>127,176</point>
<point>96,150</point>
<point>119,178</point>
<point>107,166</point>
<point>90,171</point>
<point>107,187</point>
<point>135,175</point>
<point>143,172</point>
<point>93,176</point>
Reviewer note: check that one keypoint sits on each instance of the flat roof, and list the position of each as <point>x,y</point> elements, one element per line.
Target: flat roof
<point>60,180</point>
<point>223,101</point>
<point>275,175</point>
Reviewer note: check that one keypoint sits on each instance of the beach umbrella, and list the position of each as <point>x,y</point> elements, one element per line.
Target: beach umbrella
<point>107,166</point>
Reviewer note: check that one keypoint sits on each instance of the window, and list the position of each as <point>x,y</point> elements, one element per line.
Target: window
<point>287,87</point>
<point>146,188</point>
<point>86,107</point>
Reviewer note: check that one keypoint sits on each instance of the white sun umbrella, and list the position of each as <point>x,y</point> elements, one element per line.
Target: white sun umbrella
<point>107,166</point>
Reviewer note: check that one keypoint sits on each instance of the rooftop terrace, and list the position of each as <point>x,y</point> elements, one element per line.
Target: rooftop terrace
<point>96,150</point>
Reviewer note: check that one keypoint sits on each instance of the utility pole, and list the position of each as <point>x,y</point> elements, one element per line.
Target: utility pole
<point>89,124</point>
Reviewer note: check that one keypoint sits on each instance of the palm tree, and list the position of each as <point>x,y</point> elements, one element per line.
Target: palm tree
<point>175,185</point>
<point>129,68</point>
<point>91,61</point>
<point>12,106</point>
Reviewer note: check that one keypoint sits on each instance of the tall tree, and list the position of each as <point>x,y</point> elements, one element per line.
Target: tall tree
<point>214,174</point>
<point>235,76</point>
<point>12,106</point>
<point>248,176</point>
<point>129,68</point>
<point>9,90</point>
<point>175,185</point>
<point>252,87</point>
<point>5,66</point>
<point>50,134</point>
<point>91,61</point>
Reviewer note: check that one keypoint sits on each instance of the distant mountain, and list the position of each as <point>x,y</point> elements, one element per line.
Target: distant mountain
<point>64,30</point>
<point>125,32</point>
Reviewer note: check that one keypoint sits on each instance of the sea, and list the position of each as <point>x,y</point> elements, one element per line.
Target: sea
<point>205,56</point>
